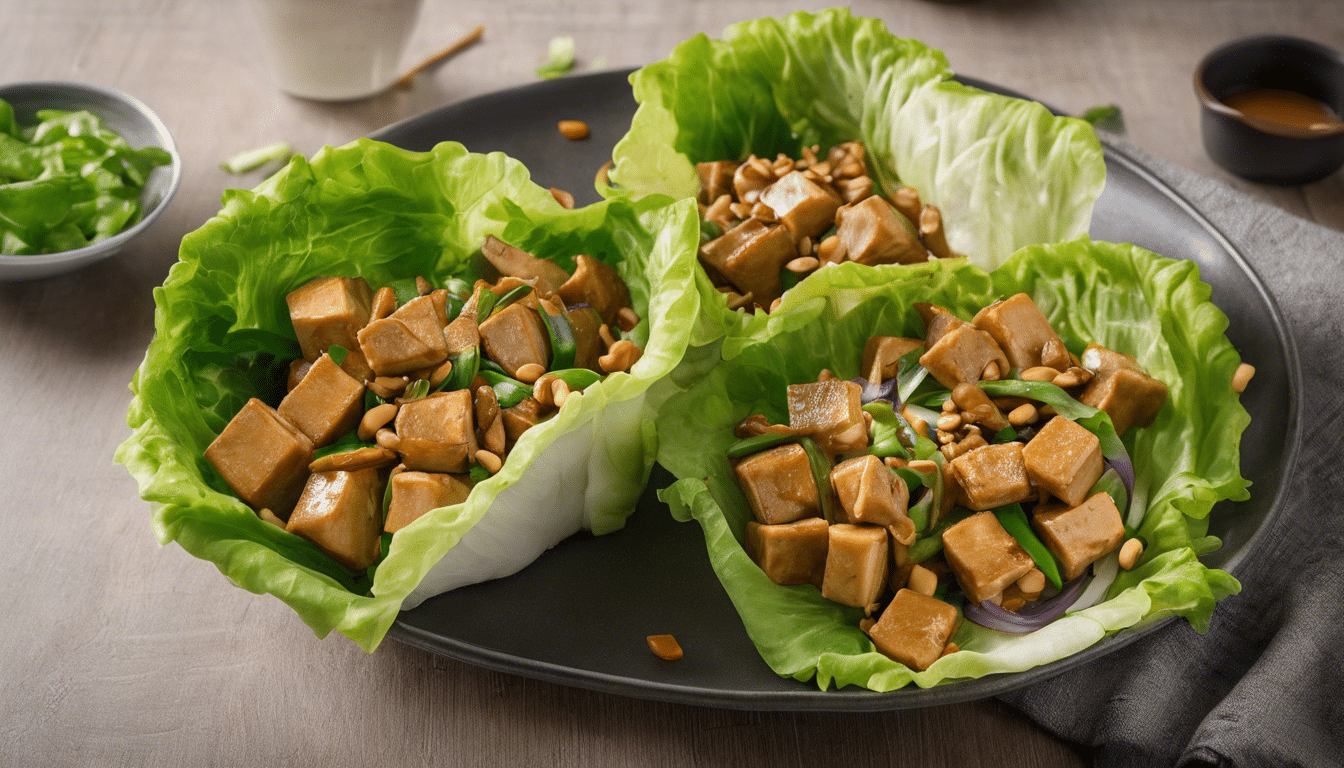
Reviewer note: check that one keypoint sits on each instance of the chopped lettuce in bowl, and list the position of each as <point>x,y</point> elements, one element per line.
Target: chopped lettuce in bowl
<point>371,210</point>
<point>1005,172</point>
<point>1120,296</point>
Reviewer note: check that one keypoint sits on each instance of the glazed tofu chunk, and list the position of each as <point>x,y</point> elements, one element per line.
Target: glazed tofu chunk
<point>415,493</point>
<point>520,418</point>
<point>803,207</point>
<point>873,233</point>
<point>791,553</point>
<point>341,512</point>
<point>1064,459</point>
<point>914,629</point>
<point>778,484</point>
<point>992,476</point>
<point>326,404</point>
<point>750,256</point>
<point>871,493</point>
<point>410,339</point>
<point>262,457</point>
<point>588,346</point>
<point>856,565</point>
<point>716,179</point>
<point>984,557</point>
<point>1020,329</point>
<point>889,350</point>
<point>514,337</point>
<point>831,412</point>
<point>329,310</point>
<point>436,432</point>
<point>598,285</point>
<point>1121,388</point>
<point>1079,536</point>
<point>961,355</point>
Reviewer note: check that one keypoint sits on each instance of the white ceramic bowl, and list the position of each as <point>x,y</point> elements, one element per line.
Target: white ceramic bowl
<point>129,118</point>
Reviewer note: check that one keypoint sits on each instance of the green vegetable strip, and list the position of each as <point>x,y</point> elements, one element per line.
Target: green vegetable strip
<point>709,231</point>
<point>490,365</point>
<point>887,431</point>
<point>509,392</point>
<point>821,474</point>
<point>1005,435</point>
<point>337,353</point>
<point>910,374</point>
<point>405,289</point>
<point>348,442</point>
<point>1014,521</point>
<point>577,378</point>
<point>513,294</point>
<point>465,367</point>
<point>485,304</point>
<point>749,445</point>
<point>930,545</point>
<point>417,389</point>
<point>478,474</point>
<point>454,306</point>
<point>563,346</point>
<point>372,400</point>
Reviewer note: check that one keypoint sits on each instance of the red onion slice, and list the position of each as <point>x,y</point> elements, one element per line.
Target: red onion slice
<point>1033,616</point>
<point>884,391</point>
<point>1125,469</point>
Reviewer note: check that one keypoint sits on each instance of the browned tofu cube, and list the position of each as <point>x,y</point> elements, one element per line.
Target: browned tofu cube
<point>871,493</point>
<point>992,476</point>
<point>914,629</point>
<point>1079,536</point>
<point>392,347</point>
<point>873,233</point>
<point>889,349</point>
<point>415,493</point>
<point>462,332</point>
<point>518,419</point>
<point>515,336</point>
<point>791,553</point>
<point>1064,459</point>
<point>342,513</point>
<point>329,310</point>
<point>588,346</point>
<point>436,432</point>
<point>1121,388</point>
<point>779,485</point>
<point>326,404</point>
<point>831,412</point>
<point>716,179</point>
<point>750,256</point>
<point>856,565</point>
<point>984,557</point>
<point>803,207</point>
<point>1020,329</point>
<point>900,566</point>
<point>598,285</point>
<point>262,457</point>
<point>961,354</point>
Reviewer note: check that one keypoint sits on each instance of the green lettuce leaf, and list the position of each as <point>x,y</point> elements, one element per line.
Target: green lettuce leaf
<point>1120,296</point>
<point>369,209</point>
<point>1004,172</point>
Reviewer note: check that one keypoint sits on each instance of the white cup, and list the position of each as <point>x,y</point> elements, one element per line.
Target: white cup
<point>334,50</point>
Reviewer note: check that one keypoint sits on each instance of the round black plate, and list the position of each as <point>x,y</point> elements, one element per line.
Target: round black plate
<point>580,613</point>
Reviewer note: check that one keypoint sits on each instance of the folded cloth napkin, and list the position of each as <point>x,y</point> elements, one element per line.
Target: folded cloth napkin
<point>1265,685</point>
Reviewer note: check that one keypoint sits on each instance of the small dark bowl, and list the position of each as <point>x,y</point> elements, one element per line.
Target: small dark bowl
<point>1262,151</point>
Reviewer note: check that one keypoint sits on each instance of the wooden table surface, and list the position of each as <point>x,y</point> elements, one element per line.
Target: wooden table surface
<point>114,651</point>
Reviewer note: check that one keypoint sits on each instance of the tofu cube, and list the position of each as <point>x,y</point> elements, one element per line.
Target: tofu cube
<point>588,346</point>
<point>871,493</point>
<point>984,557</point>
<point>342,513</point>
<point>992,476</point>
<point>329,310</point>
<point>1121,388</point>
<point>889,349</point>
<point>914,629</point>
<point>716,179</point>
<point>750,257</point>
<point>1079,536</point>
<point>520,418</point>
<point>1020,329</point>
<point>779,485</point>
<point>262,457</point>
<point>791,553</point>
<point>961,354</point>
<point>415,493</point>
<point>514,337</point>
<point>873,233</point>
<point>597,284</point>
<point>856,565</point>
<point>831,412</point>
<point>802,206</point>
<point>1064,459</point>
<point>410,339</point>
<point>436,432</point>
<point>326,404</point>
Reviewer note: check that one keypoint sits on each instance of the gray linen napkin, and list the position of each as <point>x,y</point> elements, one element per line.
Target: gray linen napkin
<point>1265,685</point>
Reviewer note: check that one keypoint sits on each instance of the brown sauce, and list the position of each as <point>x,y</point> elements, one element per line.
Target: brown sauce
<point>1284,107</point>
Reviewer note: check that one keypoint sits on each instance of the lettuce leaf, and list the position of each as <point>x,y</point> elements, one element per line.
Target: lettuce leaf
<point>369,209</point>
<point>1120,296</point>
<point>1004,172</point>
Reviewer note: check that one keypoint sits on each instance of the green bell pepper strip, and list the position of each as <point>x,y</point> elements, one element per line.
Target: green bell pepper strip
<point>485,304</point>
<point>372,400</point>
<point>1014,521</point>
<point>910,374</point>
<point>821,474</point>
<point>508,391</point>
<point>478,474</point>
<point>887,431</point>
<point>513,294</point>
<point>457,286</point>
<point>577,378</point>
<point>1005,435</point>
<point>337,353</point>
<point>749,445</point>
<point>563,346</point>
<point>490,365</point>
<point>709,231</point>
<point>416,390</point>
<point>405,289</point>
<point>348,442</point>
<point>454,305</point>
<point>465,367</point>
<point>930,545</point>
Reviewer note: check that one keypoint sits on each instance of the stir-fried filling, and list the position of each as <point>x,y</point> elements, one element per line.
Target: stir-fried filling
<point>992,509</point>
<point>407,396</point>
<point>768,224</point>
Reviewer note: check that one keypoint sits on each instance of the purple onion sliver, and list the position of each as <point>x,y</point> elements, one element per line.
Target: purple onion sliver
<point>580,305</point>
<point>1033,616</point>
<point>884,391</point>
<point>1125,469</point>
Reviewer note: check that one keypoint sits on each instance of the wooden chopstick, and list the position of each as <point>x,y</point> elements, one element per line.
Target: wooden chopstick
<point>467,40</point>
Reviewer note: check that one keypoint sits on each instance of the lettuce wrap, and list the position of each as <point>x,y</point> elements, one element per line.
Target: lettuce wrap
<point>1004,172</point>
<point>1120,296</point>
<point>368,209</point>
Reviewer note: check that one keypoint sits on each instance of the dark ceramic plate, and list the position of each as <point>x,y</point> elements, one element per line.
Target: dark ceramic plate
<point>580,613</point>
